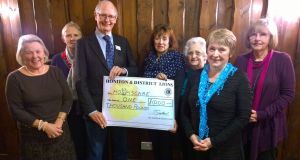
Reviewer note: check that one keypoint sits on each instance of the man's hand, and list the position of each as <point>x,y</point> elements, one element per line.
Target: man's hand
<point>116,71</point>
<point>98,118</point>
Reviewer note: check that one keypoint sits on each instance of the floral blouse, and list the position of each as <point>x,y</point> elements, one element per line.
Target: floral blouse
<point>168,63</point>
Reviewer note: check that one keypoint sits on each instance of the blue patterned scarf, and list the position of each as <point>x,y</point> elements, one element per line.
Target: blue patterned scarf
<point>206,91</point>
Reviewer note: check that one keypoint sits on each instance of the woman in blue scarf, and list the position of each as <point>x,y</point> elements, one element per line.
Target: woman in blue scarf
<point>217,103</point>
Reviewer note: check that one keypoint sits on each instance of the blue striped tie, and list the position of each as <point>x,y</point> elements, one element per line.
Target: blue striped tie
<point>109,52</point>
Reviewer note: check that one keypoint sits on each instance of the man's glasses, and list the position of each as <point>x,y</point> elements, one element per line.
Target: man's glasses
<point>104,16</point>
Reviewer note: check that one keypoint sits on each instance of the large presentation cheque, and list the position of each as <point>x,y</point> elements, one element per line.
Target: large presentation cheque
<point>138,102</point>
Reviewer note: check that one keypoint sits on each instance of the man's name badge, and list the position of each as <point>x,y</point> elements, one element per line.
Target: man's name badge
<point>118,47</point>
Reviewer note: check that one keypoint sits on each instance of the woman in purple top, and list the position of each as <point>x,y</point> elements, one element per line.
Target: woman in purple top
<point>272,78</point>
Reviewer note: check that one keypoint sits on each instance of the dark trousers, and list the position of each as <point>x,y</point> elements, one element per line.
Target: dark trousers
<point>162,143</point>
<point>185,144</point>
<point>78,131</point>
<point>268,155</point>
<point>78,134</point>
<point>97,138</point>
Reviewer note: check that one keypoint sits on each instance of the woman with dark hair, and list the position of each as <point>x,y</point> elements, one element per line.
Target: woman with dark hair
<point>164,62</point>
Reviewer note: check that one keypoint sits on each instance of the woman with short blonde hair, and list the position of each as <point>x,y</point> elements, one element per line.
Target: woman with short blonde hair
<point>216,104</point>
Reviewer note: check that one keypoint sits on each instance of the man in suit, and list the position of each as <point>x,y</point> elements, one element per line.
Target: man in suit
<point>92,63</point>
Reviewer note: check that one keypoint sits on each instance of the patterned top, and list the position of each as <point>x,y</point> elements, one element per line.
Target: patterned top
<point>169,64</point>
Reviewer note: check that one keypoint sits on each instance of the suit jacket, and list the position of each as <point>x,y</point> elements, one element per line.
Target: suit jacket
<point>90,67</point>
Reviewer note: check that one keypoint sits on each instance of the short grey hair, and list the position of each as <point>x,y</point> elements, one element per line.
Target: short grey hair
<point>195,40</point>
<point>98,6</point>
<point>70,24</point>
<point>29,38</point>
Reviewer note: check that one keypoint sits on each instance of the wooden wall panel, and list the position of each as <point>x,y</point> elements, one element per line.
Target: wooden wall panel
<point>43,23</point>
<point>225,10</point>
<point>129,24</point>
<point>118,28</point>
<point>10,30</point>
<point>290,149</point>
<point>88,16</point>
<point>286,34</point>
<point>258,9</point>
<point>144,26</point>
<point>27,16</point>
<point>75,12</point>
<point>176,19</point>
<point>208,17</point>
<point>191,18</point>
<point>240,24</point>
<point>58,18</point>
<point>160,12</point>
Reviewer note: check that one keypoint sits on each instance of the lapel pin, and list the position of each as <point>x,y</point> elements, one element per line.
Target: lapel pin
<point>118,47</point>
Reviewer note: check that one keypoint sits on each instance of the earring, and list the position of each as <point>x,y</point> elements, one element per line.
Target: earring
<point>45,60</point>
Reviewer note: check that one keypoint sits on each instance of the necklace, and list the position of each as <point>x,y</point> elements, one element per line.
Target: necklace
<point>256,78</point>
<point>35,74</point>
<point>260,57</point>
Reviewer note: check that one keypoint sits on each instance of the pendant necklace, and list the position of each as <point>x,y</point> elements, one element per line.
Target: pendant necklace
<point>256,78</point>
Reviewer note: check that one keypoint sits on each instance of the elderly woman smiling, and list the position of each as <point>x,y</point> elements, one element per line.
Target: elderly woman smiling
<point>39,99</point>
<point>195,56</point>
<point>195,52</point>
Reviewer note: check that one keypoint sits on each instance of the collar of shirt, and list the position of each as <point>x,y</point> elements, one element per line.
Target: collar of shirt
<point>102,42</point>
